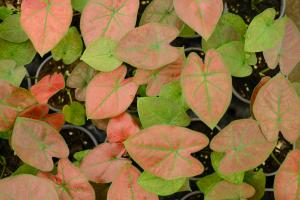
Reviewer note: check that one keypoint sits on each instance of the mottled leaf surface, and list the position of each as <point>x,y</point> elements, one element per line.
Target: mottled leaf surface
<point>11,30</point>
<point>10,72</point>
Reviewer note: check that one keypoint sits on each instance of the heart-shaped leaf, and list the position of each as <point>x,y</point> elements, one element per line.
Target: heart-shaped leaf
<point>244,144</point>
<point>121,127</point>
<point>202,16</point>
<point>9,71</point>
<point>125,186</point>
<point>207,87</point>
<point>287,180</point>
<point>277,108</point>
<point>74,113</point>
<point>70,182</point>
<point>36,142</point>
<point>47,87</point>
<point>112,19</point>
<point>162,151</point>
<point>148,46</point>
<point>258,181</point>
<point>99,55</point>
<point>104,163</point>
<point>227,190</point>
<point>27,187</point>
<point>11,30</point>
<point>46,22</point>
<point>264,32</point>
<point>161,11</point>
<point>69,48</point>
<point>109,95</point>
<point>287,52</point>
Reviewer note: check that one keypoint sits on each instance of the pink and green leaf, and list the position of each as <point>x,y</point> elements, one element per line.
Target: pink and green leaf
<point>8,115</point>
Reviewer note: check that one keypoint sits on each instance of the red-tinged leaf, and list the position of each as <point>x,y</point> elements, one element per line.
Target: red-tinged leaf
<point>121,127</point>
<point>207,87</point>
<point>165,150</point>
<point>56,120</point>
<point>101,123</point>
<point>46,22</point>
<point>70,182</point>
<point>286,53</point>
<point>35,112</point>
<point>47,87</point>
<point>108,18</point>
<point>262,82</point>
<point>227,190</point>
<point>27,187</point>
<point>6,89</point>
<point>148,46</point>
<point>108,94</point>
<point>36,142</point>
<point>125,186</point>
<point>277,108</point>
<point>8,115</point>
<point>202,16</point>
<point>244,144</point>
<point>103,163</point>
<point>287,181</point>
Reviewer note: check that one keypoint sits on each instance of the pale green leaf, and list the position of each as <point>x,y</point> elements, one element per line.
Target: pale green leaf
<point>206,183</point>
<point>12,73</point>
<point>11,30</point>
<point>74,113</point>
<point>296,86</point>
<point>79,5</point>
<point>258,181</point>
<point>187,31</point>
<point>4,12</point>
<point>79,156</point>
<point>25,169</point>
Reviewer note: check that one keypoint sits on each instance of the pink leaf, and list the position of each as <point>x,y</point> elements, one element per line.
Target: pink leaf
<point>8,115</point>
<point>121,127</point>
<point>47,87</point>
<point>202,16</point>
<point>207,87</point>
<point>46,22</point>
<point>244,144</point>
<point>148,46</point>
<point>36,142</point>
<point>277,108</point>
<point>287,180</point>
<point>109,95</point>
<point>104,163</point>
<point>125,186</point>
<point>165,150</point>
<point>108,18</point>
<point>27,187</point>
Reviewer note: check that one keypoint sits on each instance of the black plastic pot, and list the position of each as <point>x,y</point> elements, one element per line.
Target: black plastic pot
<point>196,195</point>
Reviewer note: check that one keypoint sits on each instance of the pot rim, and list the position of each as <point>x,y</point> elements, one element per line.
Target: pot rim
<point>190,194</point>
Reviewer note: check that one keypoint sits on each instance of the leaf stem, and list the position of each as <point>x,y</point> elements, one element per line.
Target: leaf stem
<point>276,160</point>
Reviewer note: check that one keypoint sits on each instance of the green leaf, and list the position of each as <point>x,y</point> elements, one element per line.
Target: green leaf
<point>142,91</point>
<point>22,53</point>
<point>69,49</point>
<point>236,60</point>
<point>12,73</point>
<point>236,178</point>
<point>11,30</point>
<point>187,31</point>
<point>206,183</point>
<point>6,135</point>
<point>296,86</point>
<point>25,169</point>
<point>99,55</point>
<point>158,185</point>
<point>79,5</point>
<point>258,181</point>
<point>4,12</point>
<point>156,110</point>
<point>74,113</point>
<point>264,32</point>
<point>79,156</point>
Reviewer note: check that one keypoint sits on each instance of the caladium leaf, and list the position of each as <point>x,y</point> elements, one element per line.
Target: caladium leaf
<point>287,52</point>
<point>258,181</point>
<point>8,115</point>
<point>36,142</point>
<point>207,87</point>
<point>109,95</point>
<point>79,78</point>
<point>70,182</point>
<point>46,22</point>
<point>206,183</point>
<point>27,187</point>
<point>56,120</point>
<point>121,127</point>
<point>227,190</point>
<point>104,163</point>
<point>262,82</point>
<point>112,19</point>
<point>47,87</point>
<point>287,181</point>
<point>74,113</point>
<point>161,11</point>
<point>148,46</point>
<point>10,72</point>
<point>158,185</point>
<point>296,86</point>
<point>244,144</point>
<point>5,12</point>
<point>79,5</point>
<point>11,30</point>
<point>277,108</point>
<point>69,48</point>
<point>25,169</point>
<point>161,151</point>
<point>125,186</point>
<point>264,32</point>
<point>202,16</point>
<point>99,55</point>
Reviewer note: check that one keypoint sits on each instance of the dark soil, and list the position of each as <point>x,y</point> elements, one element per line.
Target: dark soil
<point>248,11</point>
<point>11,3</point>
